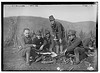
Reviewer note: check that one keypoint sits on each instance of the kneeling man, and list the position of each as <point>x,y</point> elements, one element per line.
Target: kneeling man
<point>75,46</point>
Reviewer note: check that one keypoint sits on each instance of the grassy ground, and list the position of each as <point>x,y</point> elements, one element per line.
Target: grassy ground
<point>13,61</point>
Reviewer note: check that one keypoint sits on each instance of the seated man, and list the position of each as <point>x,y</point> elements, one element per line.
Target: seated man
<point>47,41</point>
<point>38,41</point>
<point>75,46</point>
<point>89,44</point>
<point>44,46</point>
<point>26,43</point>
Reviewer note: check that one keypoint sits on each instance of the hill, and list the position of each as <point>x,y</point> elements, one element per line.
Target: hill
<point>13,26</point>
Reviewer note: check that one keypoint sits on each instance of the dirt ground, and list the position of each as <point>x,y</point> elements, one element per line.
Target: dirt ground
<point>13,61</point>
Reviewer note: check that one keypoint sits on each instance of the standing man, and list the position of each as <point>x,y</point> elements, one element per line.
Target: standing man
<point>75,47</point>
<point>58,31</point>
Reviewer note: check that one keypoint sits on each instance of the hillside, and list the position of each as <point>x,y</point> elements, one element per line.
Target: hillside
<point>12,30</point>
<point>13,26</point>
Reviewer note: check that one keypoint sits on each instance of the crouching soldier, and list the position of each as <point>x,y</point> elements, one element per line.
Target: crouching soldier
<point>38,41</point>
<point>48,45</point>
<point>26,43</point>
<point>75,47</point>
<point>58,31</point>
<point>89,44</point>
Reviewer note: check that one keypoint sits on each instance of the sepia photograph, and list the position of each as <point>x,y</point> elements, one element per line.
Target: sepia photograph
<point>49,36</point>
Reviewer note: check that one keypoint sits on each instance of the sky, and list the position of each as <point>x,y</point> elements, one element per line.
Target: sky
<point>71,13</point>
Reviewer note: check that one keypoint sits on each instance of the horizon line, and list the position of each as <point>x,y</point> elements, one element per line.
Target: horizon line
<point>48,18</point>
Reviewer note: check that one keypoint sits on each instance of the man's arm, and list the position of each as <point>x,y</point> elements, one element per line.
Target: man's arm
<point>73,45</point>
<point>44,43</point>
<point>86,42</point>
<point>25,45</point>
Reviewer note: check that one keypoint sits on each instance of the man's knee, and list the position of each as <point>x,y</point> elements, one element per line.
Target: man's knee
<point>77,49</point>
<point>28,49</point>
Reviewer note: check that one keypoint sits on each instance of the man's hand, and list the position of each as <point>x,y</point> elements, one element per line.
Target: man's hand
<point>34,45</point>
<point>65,51</point>
<point>55,39</point>
<point>41,47</point>
<point>91,48</point>
<point>60,40</point>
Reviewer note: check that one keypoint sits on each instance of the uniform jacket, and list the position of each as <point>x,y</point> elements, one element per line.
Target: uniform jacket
<point>49,43</point>
<point>38,42</point>
<point>26,41</point>
<point>88,42</point>
<point>58,29</point>
<point>76,42</point>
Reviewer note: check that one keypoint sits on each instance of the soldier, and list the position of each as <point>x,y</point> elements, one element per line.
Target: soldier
<point>75,46</point>
<point>26,43</point>
<point>58,31</point>
<point>42,44</point>
<point>89,43</point>
<point>38,41</point>
<point>48,41</point>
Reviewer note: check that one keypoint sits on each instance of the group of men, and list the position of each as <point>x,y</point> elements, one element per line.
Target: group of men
<point>48,43</point>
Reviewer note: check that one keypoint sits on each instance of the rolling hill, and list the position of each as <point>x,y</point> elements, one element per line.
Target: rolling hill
<point>13,26</point>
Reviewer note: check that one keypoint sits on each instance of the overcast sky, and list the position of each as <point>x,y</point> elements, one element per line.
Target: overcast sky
<point>72,13</point>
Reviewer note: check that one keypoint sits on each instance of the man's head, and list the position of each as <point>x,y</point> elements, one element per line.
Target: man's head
<point>52,19</point>
<point>47,33</point>
<point>26,32</point>
<point>71,34</point>
<point>38,33</point>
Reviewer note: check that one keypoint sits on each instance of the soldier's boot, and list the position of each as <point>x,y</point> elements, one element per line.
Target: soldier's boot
<point>76,52</point>
<point>28,55</point>
<point>27,58</point>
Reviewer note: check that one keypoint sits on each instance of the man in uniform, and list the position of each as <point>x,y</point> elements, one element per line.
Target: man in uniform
<point>58,31</point>
<point>75,46</point>
<point>26,43</point>
<point>48,41</point>
<point>39,43</point>
<point>91,49</point>
<point>89,43</point>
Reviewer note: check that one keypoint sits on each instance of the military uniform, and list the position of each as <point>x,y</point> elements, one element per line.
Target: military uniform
<point>76,42</point>
<point>26,43</point>
<point>58,31</point>
<point>76,47</point>
<point>88,42</point>
<point>38,42</point>
<point>48,42</point>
